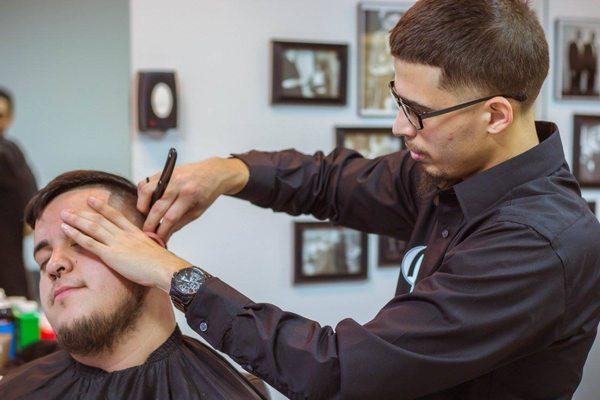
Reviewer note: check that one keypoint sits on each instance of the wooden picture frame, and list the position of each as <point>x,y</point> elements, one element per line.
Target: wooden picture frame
<point>325,253</point>
<point>586,150</point>
<point>309,73</point>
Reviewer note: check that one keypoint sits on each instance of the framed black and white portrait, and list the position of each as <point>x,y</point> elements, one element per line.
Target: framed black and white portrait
<point>577,58</point>
<point>586,150</point>
<point>370,142</point>
<point>309,73</point>
<point>325,252</point>
<point>376,67</point>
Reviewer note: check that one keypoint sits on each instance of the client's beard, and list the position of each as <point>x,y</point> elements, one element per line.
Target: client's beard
<point>100,332</point>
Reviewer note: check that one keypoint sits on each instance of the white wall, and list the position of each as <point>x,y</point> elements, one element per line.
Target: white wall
<point>220,50</point>
<point>67,64</point>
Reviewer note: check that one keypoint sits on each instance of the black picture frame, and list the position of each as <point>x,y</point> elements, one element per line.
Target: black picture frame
<point>576,78</point>
<point>586,139</point>
<point>325,242</point>
<point>316,73</point>
<point>384,141</point>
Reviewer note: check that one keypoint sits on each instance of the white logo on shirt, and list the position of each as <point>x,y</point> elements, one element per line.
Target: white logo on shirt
<point>411,263</point>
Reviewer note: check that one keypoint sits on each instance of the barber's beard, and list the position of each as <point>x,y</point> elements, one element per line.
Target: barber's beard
<point>99,332</point>
<point>428,183</point>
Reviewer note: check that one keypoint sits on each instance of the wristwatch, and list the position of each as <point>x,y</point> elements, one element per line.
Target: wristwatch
<point>185,284</point>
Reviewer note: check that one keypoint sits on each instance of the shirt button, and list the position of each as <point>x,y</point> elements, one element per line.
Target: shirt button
<point>203,326</point>
<point>445,233</point>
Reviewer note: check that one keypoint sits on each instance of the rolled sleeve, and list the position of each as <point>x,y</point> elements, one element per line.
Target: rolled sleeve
<point>261,179</point>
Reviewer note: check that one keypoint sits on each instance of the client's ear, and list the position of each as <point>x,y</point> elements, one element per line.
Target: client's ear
<point>156,238</point>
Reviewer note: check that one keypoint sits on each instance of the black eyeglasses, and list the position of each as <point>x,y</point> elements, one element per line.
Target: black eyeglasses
<point>416,118</point>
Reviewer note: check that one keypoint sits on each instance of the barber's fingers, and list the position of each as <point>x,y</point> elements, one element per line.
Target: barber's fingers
<point>98,219</point>
<point>158,211</point>
<point>84,240</point>
<point>178,215</point>
<point>111,214</point>
<point>145,190</point>
<point>91,228</point>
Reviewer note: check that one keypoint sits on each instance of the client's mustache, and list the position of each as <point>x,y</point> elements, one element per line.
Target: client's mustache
<point>60,286</point>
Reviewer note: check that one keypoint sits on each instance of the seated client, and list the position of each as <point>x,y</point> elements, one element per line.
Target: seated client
<point>118,339</point>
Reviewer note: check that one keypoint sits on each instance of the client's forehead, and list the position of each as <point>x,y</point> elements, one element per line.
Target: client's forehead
<point>75,199</point>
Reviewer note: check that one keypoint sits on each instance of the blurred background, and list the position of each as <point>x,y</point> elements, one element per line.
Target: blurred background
<point>71,66</point>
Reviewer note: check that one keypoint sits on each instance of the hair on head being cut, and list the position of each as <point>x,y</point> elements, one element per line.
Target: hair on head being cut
<point>121,189</point>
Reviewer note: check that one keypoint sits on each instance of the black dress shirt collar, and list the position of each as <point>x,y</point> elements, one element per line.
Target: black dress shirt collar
<point>479,192</point>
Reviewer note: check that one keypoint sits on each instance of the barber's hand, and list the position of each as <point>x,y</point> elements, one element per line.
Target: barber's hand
<point>121,245</point>
<point>192,189</point>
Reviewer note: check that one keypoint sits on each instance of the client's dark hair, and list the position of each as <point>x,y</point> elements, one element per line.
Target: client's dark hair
<point>121,189</point>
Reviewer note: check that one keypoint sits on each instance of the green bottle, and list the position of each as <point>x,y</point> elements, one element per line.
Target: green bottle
<point>28,324</point>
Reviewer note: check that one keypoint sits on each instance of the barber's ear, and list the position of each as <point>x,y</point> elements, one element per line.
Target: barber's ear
<point>156,238</point>
<point>501,114</point>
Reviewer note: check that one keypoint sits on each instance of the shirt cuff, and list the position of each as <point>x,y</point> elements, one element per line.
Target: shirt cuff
<point>213,309</point>
<point>262,176</point>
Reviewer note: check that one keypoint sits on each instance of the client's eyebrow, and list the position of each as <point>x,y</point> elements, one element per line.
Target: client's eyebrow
<point>41,245</point>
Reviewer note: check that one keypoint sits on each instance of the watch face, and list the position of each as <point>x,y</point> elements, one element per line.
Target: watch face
<point>188,280</point>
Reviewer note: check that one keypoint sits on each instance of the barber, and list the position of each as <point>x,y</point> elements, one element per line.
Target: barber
<point>504,303</point>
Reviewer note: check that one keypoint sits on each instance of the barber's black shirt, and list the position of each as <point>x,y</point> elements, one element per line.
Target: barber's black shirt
<point>498,297</point>
<point>17,187</point>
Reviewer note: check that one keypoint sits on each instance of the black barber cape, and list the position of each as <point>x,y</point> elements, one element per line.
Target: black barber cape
<point>182,368</point>
<point>498,295</point>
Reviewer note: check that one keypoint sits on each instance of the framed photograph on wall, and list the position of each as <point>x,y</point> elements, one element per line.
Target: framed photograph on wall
<point>586,150</point>
<point>309,73</point>
<point>577,59</point>
<point>373,142</point>
<point>325,252</point>
<point>370,142</point>
<point>375,65</point>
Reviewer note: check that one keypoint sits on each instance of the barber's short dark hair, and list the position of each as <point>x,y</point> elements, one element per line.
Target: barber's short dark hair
<point>5,94</point>
<point>120,187</point>
<point>491,46</point>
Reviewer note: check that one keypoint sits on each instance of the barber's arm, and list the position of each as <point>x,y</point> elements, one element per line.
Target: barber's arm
<point>496,297</point>
<point>342,186</point>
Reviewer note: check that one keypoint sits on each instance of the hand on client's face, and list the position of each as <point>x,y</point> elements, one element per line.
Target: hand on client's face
<point>121,245</point>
